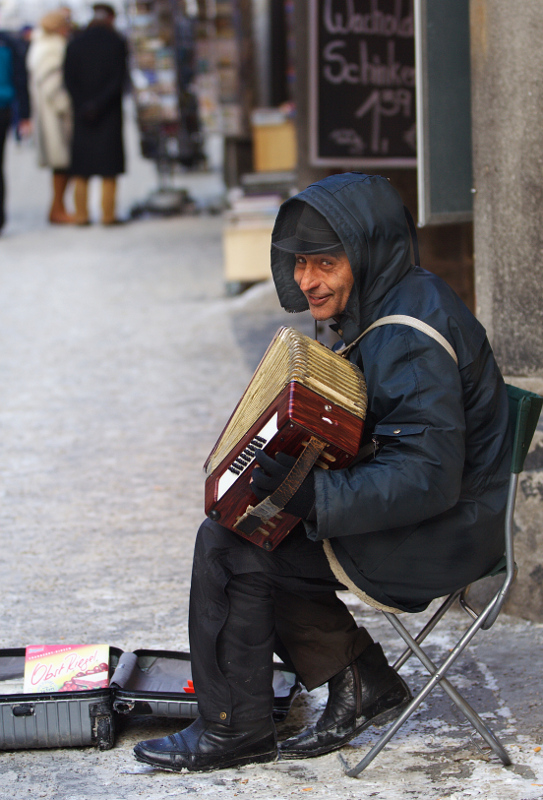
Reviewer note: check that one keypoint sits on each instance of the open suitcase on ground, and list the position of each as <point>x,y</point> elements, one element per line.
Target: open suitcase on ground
<point>145,682</point>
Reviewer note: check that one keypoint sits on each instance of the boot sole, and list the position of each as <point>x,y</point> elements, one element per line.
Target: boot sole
<point>236,762</point>
<point>378,721</point>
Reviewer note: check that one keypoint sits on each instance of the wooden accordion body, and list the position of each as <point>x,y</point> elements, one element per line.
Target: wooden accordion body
<point>300,389</point>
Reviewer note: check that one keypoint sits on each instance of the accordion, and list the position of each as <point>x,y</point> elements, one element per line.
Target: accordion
<point>303,400</point>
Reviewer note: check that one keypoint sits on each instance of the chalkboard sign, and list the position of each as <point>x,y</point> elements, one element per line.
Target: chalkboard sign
<point>362,83</point>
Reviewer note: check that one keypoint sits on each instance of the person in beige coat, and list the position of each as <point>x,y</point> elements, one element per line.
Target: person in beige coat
<point>51,104</point>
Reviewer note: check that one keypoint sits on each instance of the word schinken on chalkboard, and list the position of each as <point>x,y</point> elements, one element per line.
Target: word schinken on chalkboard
<point>362,83</point>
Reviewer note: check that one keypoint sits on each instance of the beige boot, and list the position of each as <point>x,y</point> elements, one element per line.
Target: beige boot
<point>81,192</point>
<point>58,214</point>
<point>109,191</point>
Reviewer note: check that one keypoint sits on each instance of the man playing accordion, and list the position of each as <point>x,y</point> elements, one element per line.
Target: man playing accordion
<point>417,515</point>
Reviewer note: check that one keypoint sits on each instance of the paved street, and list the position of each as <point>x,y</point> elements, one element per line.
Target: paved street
<point>121,357</point>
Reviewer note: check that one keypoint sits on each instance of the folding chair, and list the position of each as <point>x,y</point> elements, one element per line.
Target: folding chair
<point>524,410</point>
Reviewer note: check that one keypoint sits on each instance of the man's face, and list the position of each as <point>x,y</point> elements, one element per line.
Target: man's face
<point>326,279</point>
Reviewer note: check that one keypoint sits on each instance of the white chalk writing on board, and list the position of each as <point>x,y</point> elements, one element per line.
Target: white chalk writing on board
<point>365,81</point>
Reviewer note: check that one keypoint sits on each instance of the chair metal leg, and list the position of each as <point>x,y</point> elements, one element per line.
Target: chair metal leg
<point>438,676</point>
<point>384,739</point>
<point>499,600</point>
<point>428,628</point>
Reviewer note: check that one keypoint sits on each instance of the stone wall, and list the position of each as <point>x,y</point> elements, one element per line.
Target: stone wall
<point>507,96</point>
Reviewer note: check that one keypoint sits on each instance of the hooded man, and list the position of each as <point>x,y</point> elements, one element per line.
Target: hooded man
<point>417,518</point>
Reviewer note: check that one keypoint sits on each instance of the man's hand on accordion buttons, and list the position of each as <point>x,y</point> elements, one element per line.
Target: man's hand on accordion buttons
<point>271,473</point>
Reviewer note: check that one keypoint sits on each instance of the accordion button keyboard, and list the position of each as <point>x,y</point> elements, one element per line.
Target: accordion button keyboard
<point>246,457</point>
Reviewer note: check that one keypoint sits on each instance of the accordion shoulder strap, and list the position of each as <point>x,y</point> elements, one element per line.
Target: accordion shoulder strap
<point>413,322</point>
<point>268,508</point>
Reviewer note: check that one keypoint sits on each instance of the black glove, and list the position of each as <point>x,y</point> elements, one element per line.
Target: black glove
<point>271,473</point>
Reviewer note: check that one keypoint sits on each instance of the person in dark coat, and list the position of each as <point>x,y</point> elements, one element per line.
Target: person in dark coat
<point>95,71</point>
<point>419,514</point>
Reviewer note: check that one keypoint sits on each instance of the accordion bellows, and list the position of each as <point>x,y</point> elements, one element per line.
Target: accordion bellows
<point>299,389</point>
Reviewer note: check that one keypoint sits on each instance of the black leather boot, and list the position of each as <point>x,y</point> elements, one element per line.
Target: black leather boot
<point>366,692</point>
<point>204,746</point>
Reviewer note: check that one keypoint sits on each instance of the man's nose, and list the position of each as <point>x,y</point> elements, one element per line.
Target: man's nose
<point>309,280</point>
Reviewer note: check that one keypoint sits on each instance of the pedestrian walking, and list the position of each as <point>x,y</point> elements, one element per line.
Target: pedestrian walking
<point>95,74</point>
<point>51,105</point>
<point>13,91</point>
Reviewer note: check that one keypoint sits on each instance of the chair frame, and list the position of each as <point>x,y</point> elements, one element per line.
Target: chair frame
<point>525,408</point>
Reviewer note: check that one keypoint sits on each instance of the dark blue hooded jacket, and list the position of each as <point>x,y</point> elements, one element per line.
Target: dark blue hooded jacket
<point>425,516</point>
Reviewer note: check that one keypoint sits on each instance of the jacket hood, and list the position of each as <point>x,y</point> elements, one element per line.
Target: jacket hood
<point>367,214</point>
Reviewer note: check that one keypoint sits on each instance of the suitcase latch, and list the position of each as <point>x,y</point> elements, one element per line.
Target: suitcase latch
<point>23,710</point>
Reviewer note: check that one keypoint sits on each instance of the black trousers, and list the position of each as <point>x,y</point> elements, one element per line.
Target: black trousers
<point>5,122</point>
<point>246,604</point>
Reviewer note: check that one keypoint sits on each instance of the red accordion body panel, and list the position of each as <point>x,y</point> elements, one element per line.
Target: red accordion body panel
<point>295,415</point>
